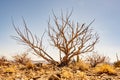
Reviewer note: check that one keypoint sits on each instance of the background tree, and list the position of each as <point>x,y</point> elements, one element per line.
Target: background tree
<point>69,38</point>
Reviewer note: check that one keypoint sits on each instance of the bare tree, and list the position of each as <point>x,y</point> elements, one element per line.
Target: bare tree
<point>71,39</point>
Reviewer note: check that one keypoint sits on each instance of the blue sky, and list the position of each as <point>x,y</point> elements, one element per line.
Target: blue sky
<point>36,13</point>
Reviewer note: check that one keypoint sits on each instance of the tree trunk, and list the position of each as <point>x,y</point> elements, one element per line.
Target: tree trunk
<point>64,62</point>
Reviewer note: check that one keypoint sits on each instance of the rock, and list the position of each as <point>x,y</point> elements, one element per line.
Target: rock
<point>53,77</point>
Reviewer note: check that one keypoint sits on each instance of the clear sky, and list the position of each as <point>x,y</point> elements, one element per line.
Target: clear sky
<point>36,13</point>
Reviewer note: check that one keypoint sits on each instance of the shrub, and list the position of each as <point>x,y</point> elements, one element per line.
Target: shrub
<point>22,59</point>
<point>79,65</point>
<point>3,61</point>
<point>30,65</point>
<point>117,64</point>
<point>105,68</point>
<point>95,59</point>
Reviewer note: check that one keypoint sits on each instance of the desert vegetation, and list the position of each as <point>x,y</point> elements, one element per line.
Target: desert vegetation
<point>79,70</point>
<point>71,40</point>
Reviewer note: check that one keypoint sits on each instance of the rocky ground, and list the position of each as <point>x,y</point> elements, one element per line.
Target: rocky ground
<point>75,71</point>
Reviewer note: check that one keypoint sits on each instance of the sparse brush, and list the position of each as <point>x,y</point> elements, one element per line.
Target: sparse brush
<point>22,59</point>
<point>10,69</point>
<point>81,75</point>
<point>66,73</point>
<point>96,59</point>
<point>117,64</point>
<point>30,65</point>
<point>105,68</point>
<point>80,65</point>
<point>3,58</point>
<point>4,61</point>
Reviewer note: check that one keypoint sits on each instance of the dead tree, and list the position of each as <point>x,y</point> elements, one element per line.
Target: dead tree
<point>33,42</point>
<point>71,39</point>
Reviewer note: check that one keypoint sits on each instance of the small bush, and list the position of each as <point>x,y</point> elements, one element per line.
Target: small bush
<point>105,68</point>
<point>81,65</point>
<point>117,64</point>
<point>95,59</point>
<point>30,65</point>
<point>3,61</point>
<point>22,59</point>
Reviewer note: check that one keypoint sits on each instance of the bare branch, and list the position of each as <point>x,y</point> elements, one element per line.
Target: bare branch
<point>33,42</point>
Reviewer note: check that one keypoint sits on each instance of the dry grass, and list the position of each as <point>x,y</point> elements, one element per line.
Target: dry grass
<point>28,72</point>
<point>81,75</point>
<point>10,69</point>
<point>105,68</point>
<point>81,65</point>
<point>79,70</point>
<point>30,65</point>
<point>66,73</point>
